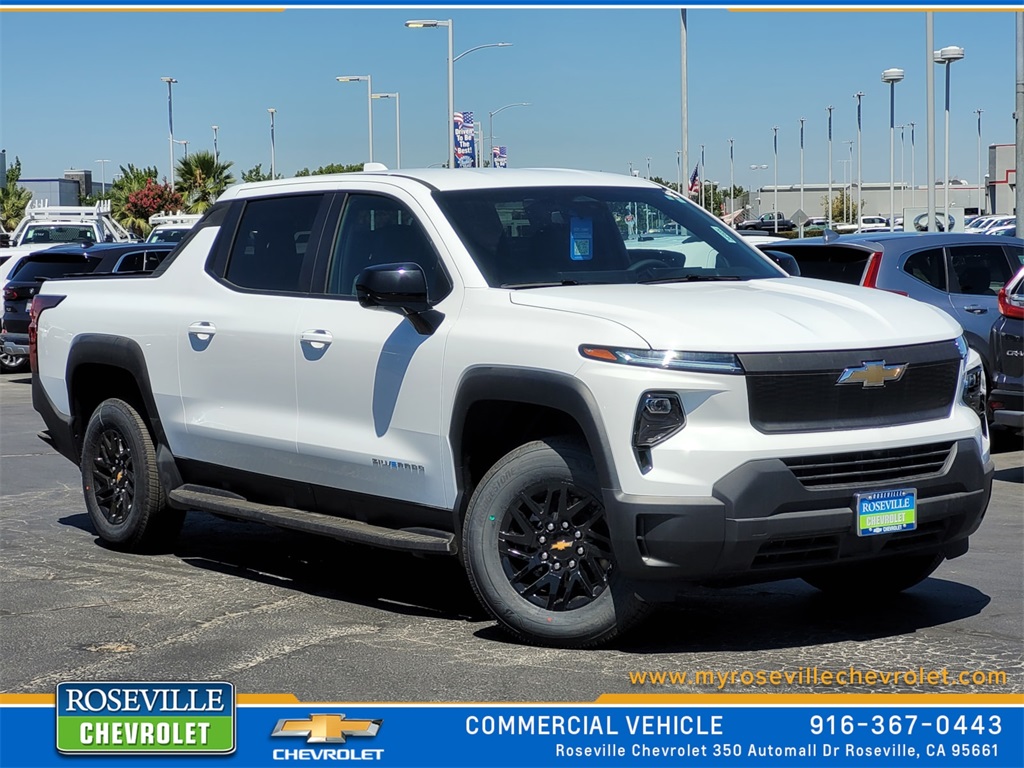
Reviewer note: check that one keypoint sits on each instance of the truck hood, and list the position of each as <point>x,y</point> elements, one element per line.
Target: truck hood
<point>785,314</point>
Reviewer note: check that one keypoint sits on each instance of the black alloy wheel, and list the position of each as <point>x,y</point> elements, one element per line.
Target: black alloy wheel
<point>114,477</point>
<point>555,547</point>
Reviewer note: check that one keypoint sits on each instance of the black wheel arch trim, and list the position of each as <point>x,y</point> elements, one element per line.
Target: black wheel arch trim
<point>125,354</point>
<point>531,386</point>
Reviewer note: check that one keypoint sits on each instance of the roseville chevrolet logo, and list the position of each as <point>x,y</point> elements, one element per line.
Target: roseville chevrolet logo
<point>873,374</point>
<point>326,729</point>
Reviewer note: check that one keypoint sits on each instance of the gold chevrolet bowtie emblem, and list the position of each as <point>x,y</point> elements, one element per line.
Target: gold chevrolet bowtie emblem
<point>322,729</point>
<point>872,374</point>
<point>560,545</point>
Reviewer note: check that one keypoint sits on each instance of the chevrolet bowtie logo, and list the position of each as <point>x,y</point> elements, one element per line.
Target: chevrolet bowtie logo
<point>322,729</point>
<point>872,374</point>
<point>560,545</point>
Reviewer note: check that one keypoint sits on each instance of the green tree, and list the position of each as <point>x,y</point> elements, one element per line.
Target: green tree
<point>256,173</point>
<point>331,168</point>
<point>201,180</point>
<point>844,206</point>
<point>131,180</point>
<point>13,198</point>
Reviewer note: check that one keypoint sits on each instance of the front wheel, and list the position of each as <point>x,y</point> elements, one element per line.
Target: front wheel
<point>13,363</point>
<point>538,550</point>
<point>123,494</point>
<point>874,578</point>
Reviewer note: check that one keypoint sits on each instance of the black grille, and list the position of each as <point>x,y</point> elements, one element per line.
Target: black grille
<point>810,550</point>
<point>799,392</point>
<point>865,468</point>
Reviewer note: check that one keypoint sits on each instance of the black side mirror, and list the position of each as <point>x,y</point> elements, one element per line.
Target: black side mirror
<point>786,261</point>
<point>400,288</point>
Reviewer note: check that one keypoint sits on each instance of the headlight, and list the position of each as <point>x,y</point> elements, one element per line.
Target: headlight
<point>962,348</point>
<point>666,359</point>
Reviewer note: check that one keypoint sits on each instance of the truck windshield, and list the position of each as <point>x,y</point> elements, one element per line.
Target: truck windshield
<point>58,233</point>
<point>530,237</point>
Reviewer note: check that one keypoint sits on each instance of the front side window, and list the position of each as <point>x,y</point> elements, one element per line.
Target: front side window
<point>265,255</point>
<point>375,229</point>
<point>529,237</point>
<point>981,270</point>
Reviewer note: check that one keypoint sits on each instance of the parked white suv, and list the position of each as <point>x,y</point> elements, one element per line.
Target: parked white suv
<point>592,390</point>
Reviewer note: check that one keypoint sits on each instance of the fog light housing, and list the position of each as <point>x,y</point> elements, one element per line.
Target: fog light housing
<point>659,415</point>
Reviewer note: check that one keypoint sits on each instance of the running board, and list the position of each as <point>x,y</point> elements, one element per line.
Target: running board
<point>228,504</point>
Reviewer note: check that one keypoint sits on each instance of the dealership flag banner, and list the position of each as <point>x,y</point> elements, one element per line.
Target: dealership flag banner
<point>465,140</point>
<point>499,157</point>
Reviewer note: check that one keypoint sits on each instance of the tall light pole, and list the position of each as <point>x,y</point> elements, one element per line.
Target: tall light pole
<point>184,145</point>
<point>479,154</point>
<point>398,125</point>
<point>103,174</point>
<point>216,152</point>
<point>684,109</point>
<point>170,123</point>
<point>892,76</point>
<point>755,169</point>
<point>679,171</point>
<point>913,163</point>
<point>981,182</point>
<point>775,203</point>
<point>946,56</point>
<point>490,118</point>
<point>450,116</point>
<point>273,158</point>
<point>828,214</point>
<point>369,100</point>
<point>802,173</point>
<point>732,181</point>
<point>903,184</point>
<point>860,154</point>
<point>703,197</point>
<point>848,203</point>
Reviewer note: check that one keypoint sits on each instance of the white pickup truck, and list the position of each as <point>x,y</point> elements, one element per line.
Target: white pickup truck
<point>496,366</point>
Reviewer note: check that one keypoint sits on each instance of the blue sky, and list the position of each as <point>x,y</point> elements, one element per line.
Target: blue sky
<point>604,87</point>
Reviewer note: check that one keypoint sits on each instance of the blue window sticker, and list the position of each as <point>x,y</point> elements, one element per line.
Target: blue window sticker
<point>581,239</point>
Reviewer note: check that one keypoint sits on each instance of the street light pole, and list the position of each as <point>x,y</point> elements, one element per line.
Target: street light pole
<point>170,123</point>
<point>913,163</point>
<point>848,203</point>
<point>490,118</point>
<point>216,153</point>
<point>703,196</point>
<point>398,125</point>
<point>892,76</point>
<point>273,159</point>
<point>981,188</point>
<point>946,56</point>
<point>802,173</point>
<point>775,203</point>
<point>860,154</point>
<point>755,169</point>
<point>828,214</point>
<point>732,180</point>
<point>184,144</point>
<point>369,100</point>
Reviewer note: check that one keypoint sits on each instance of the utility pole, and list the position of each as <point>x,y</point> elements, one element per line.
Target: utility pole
<point>1019,116</point>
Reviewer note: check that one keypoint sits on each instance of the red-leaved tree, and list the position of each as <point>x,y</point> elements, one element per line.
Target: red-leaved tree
<point>151,199</point>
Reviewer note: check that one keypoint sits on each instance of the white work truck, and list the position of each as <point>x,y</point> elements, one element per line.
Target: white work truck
<point>591,415</point>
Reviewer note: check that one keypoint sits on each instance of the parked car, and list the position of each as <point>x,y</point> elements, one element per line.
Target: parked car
<point>816,222</point>
<point>28,275</point>
<point>1003,230</point>
<point>1006,398</point>
<point>867,224</point>
<point>983,223</point>
<point>171,227</point>
<point>957,272</point>
<point>768,222</point>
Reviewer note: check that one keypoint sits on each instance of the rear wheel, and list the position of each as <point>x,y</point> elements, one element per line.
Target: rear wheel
<point>538,550</point>
<point>13,363</point>
<point>123,494</point>
<point>878,577</point>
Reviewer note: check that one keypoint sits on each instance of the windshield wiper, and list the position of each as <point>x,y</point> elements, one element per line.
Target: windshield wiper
<point>691,279</point>
<point>554,284</point>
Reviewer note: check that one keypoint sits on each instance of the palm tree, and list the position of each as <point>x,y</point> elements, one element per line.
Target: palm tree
<point>201,179</point>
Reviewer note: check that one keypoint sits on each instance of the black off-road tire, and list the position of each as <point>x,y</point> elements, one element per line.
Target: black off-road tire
<point>123,494</point>
<point>537,550</point>
<point>874,578</point>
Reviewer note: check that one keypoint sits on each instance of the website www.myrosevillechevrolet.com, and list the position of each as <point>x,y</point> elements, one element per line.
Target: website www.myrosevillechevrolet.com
<point>804,676</point>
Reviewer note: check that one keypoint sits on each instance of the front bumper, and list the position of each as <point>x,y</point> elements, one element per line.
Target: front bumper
<point>14,344</point>
<point>762,524</point>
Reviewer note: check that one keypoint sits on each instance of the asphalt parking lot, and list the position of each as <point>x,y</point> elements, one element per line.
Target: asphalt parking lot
<point>274,611</point>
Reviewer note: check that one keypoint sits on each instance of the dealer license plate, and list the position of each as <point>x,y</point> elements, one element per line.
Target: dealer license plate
<point>886,511</point>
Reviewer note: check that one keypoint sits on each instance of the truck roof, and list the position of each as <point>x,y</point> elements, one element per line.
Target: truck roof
<point>446,180</point>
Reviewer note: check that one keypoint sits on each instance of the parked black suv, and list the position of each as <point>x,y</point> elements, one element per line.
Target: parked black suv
<point>24,281</point>
<point>1006,401</point>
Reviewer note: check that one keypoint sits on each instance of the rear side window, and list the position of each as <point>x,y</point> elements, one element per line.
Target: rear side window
<point>980,270</point>
<point>1016,252</point>
<point>928,267</point>
<point>37,269</point>
<point>830,262</point>
<point>269,245</point>
<point>140,261</point>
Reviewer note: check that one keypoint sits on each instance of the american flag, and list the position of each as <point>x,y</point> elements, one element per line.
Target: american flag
<point>694,180</point>
<point>500,155</point>
<point>463,119</point>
